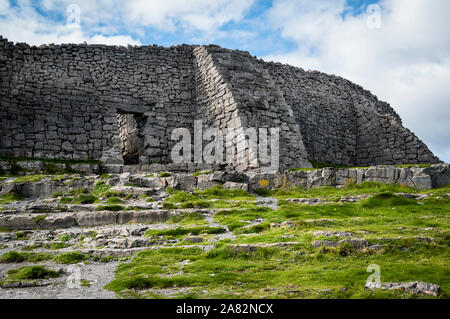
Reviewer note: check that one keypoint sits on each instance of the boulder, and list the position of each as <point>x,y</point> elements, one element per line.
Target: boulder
<point>416,287</point>
<point>329,233</point>
<point>355,243</point>
<point>186,182</point>
<point>205,181</point>
<point>194,239</point>
<point>233,185</point>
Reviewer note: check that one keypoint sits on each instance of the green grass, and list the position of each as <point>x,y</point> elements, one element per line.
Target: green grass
<point>187,200</point>
<point>30,247</point>
<point>56,246</point>
<point>40,219</point>
<point>237,219</point>
<point>49,165</point>
<point>64,238</point>
<point>164,174</point>
<point>9,197</point>
<point>188,219</point>
<point>185,231</point>
<point>12,257</point>
<point>181,197</point>
<point>300,270</point>
<point>57,194</point>
<point>196,204</point>
<point>303,169</point>
<point>148,198</point>
<point>296,271</point>
<point>20,236</point>
<point>58,178</point>
<point>316,164</point>
<point>198,173</point>
<point>78,191</point>
<point>33,257</point>
<point>29,179</point>
<point>66,200</point>
<point>112,208</point>
<point>218,192</point>
<point>51,168</point>
<point>387,199</point>
<point>31,272</point>
<point>221,203</point>
<point>275,272</point>
<point>335,193</point>
<point>85,283</point>
<point>18,257</point>
<point>114,200</point>
<point>110,193</point>
<point>85,199</point>
<point>70,258</point>
<point>100,188</point>
<point>167,205</point>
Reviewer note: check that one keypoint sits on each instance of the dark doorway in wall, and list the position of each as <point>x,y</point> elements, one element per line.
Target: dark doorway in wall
<point>131,139</point>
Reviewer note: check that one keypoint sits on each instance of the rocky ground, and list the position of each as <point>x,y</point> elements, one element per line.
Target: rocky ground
<point>155,241</point>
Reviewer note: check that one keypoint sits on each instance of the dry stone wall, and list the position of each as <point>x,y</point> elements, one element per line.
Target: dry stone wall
<point>381,138</point>
<point>324,112</point>
<point>342,123</point>
<point>63,101</point>
<point>216,106</point>
<point>261,103</point>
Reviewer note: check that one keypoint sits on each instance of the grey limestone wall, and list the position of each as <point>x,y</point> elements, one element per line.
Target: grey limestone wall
<point>381,137</point>
<point>216,106</point>
<point>325,113</point>
<point>261,103</point>
<point>63,101</point>
<point>342,123</point>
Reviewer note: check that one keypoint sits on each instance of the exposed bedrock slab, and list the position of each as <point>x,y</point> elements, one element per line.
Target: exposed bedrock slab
<point>32,221</point>
<point>354,242</point>
<point>421,178</point>
<point>67,220</point>
<point>439,174</point>
<point>105,218</point>
<point>45,187</point>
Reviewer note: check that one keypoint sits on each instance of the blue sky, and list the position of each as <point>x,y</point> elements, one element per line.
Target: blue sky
<point>404,58</point>
<point>265,39</point>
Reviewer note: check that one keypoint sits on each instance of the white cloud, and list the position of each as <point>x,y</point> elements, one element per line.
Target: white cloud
<point>203,15</point>
<point>406,62</point>
<point>4,5</point>
<point>25,24</point>
<point>102,20</point>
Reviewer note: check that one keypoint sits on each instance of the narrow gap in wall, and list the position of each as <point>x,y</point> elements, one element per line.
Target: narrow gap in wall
<point>130,133</point>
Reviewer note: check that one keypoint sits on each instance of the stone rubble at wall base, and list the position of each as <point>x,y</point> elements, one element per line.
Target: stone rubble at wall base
<point>421,178</point>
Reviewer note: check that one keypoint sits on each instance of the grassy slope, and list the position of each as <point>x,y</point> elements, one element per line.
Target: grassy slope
<point>302,271</point>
